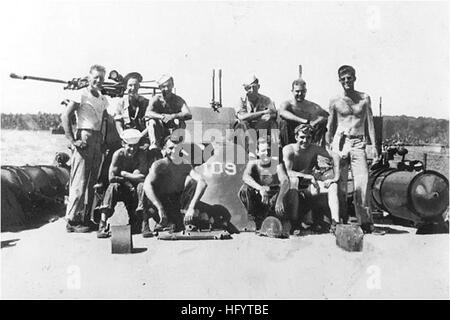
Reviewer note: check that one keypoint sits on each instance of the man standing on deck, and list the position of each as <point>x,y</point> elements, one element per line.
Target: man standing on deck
<point>89,108</point>
<point>165,113</point>
<point>350,116</point>
<point>299,110</point>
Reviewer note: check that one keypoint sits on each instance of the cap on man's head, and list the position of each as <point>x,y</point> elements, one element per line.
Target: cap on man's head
<point>252,79</point>
<point>346,69</point>
<point>131,136</point>
<point>134,75</point>
<point>172,137</point>
<point>164,78</point>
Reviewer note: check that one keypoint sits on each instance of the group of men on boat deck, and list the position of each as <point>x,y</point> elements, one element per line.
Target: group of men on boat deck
<point>144,174</point>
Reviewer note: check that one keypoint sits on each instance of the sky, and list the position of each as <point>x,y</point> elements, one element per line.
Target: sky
<point>400,49</point>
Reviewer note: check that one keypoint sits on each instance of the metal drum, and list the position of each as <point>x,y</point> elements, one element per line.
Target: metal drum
<point>409,195</point>
<point>376,180</point>
<point>428,194</point>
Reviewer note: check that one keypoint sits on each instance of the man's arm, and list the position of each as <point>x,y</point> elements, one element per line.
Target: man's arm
<point>118,115</point>
<point>272,115</point>
<point>119,126</point>
<point>114,169</point>
<point>321,116</point>
<point>243,115</point>
<point>284,188</point>
<point>286,113</point>
<point>371,126</point>
<point>138,174</point>
<point>144,104</point>
<point>331,125</point>
<point>284,180</point>
<point>247,176</point>
<point>248,116</point>
<point>67,124</point>
<point>184,114</point>
<point>150,113</point>
<point>149,189</point>
<point>199,190</point>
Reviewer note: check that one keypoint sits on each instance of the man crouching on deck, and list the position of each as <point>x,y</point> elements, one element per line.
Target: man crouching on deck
<point>265,188</point>
<point>127,172</point>
<point>305,195</point>
<point>173,188</point>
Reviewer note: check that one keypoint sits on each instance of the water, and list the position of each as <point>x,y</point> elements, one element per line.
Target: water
<point>39,147</point>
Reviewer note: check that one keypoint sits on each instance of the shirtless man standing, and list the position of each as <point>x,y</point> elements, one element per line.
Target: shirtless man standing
<point>173,189</point>
<point>264,189</point>
<point>307,188</point>
<point>350,113</point>
<point>299,110</point>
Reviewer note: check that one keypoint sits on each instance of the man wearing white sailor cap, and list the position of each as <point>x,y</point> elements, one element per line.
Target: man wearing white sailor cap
<point>127,172</point>
<point>166,112</point>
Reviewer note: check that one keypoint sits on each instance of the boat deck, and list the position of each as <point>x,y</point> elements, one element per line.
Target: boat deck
<point>48,263</point>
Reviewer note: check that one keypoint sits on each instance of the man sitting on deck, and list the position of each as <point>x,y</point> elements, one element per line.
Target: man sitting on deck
<point>265,187</point>
<point>305,196</point>
<point>127,172</point>
<point>255,111</point>
<point>165,113</point>
<point>173,188</point>
<point>299,110</point>
<point>130,109</point>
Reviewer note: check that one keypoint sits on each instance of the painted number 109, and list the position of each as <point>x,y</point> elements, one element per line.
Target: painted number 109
<point>220,167</point>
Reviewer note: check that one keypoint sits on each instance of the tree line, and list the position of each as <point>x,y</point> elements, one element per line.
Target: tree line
<point>402,129</point>
<point>415,131</point>
<point>40,121</point>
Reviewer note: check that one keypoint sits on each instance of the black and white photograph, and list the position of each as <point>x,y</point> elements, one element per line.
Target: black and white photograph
<point>224,150</point>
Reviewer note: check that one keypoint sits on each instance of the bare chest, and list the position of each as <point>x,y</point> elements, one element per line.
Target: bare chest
<point>304,162</point>
<point>172,179</point>
<point>305,110</point>
<point>346,106</point>
<point>267,177</point>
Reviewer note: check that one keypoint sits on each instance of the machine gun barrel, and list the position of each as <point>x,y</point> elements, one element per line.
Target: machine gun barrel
<point>20,77</point>
<point>110,88</point>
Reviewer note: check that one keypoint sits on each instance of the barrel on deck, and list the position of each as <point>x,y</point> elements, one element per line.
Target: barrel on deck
<point>418,197</point>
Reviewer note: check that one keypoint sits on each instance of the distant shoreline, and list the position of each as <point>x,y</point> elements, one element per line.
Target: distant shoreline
<point>402,144</point>
<point>404,130</point>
